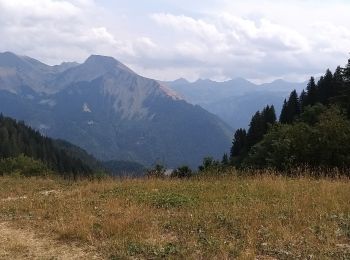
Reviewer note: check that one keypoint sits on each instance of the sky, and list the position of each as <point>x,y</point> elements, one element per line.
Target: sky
<point>260,40</point>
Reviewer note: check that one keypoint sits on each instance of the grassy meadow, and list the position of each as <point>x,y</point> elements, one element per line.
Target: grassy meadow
<point>229,217</point>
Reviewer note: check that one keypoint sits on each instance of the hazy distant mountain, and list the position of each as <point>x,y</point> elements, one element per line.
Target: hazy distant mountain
<point>235,101</point>
<point>107,109</point>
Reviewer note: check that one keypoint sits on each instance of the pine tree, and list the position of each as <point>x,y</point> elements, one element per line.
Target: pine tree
<point>346,91</point>
<point>284,113</point>
<point>291,109</point>
<point>256,130</point>
<point>341,81</point>
<point>312,92</point>
<point>346,73</point>
<point>269,116</point>
<point>259,125</point>
<point>326,87</point>
<point>303,100</point>
<point>239,143</point>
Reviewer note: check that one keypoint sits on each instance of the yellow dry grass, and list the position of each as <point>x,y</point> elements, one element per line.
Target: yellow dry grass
<point>228,217</point>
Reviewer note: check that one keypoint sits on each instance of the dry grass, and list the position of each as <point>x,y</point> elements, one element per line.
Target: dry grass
<point>209,218</point>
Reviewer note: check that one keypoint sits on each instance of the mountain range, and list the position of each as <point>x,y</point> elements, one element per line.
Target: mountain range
<point>107,109</point>
<point>234,101</point>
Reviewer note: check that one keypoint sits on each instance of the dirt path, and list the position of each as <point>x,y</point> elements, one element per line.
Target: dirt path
<point>25,244</point>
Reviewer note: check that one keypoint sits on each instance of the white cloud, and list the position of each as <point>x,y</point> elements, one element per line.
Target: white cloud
<point>55,31</point>
<point>234,44</point>
<point>167,39</point>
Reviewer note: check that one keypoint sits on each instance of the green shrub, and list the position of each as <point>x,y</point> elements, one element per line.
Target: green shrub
<point>326,144</point>
<point>182,172</point>
<point>157,172</point>
<point>23,166</point>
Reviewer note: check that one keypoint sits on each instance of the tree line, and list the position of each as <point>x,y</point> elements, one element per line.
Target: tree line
<point>312,134</point>
<point>313,129</point>
<point>19,141</point>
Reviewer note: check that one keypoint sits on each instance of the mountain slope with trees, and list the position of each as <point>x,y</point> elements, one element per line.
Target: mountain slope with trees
<point>110,111</point>
<point>313,129</point>
<point>18,140</point>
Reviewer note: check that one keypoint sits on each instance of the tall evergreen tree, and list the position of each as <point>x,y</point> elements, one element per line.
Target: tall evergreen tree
<point>256,130</point>
<point>341,81</point>
<point>326,87</point>
<point>239,143</point>
<point>291,109</point>
<point>346,72</point>
<point>269,115</point>
<point>259,125</point>
<point>312,92</point>
<point>294,105</point>
<point>284,113</point>
<point>303,100</point>
<point>346,92</point>
<point>239,147</point>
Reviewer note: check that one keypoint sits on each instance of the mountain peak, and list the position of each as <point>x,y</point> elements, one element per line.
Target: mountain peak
<point>10,59</point>
<point>106,62</point>
<point>101,59</point>
<point>279,81</point>
<point>181,81</point>
<point>8,54</point>
<point>240,80</point>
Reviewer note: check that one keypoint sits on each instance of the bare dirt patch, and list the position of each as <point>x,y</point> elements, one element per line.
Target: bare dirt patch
<point>25,244</point>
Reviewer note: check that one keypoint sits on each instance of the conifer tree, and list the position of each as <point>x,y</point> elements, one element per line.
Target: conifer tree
<point>312,93</point>
<point>291,109</point>
<point>303,100</point>
<point>239,143</point>
<point>346,91</point>
<point>326,87</point>
<point>259,125</point>
<point>346,73</point>
<point>284,113</point>
<point>256,130</point>
<point>269,115</point>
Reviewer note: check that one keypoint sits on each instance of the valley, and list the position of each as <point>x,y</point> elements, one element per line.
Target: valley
<point>110,111</point>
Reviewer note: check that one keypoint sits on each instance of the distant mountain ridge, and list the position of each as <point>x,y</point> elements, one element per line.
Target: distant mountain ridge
<point>235,100</point>
<point>110,111</point>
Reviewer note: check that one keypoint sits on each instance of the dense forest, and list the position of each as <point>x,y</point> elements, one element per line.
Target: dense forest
<point>21,145</point>
<point>26,150</point>
<point>313,129</point>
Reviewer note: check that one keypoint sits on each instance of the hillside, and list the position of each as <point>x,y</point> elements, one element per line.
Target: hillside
<point>18,139</point>
<point>110,111</point>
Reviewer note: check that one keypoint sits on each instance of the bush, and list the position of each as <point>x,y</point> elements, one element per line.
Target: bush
<point>182,172</point>
<point>157,172</point>
<point>209,164</point>
<point>326,144</point>
<point>23,166</point>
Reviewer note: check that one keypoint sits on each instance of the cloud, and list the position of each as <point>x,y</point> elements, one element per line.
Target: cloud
<point>233,45</point>
<point>54,31</point>
<point>47,29</point>
<point>167,39</point>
